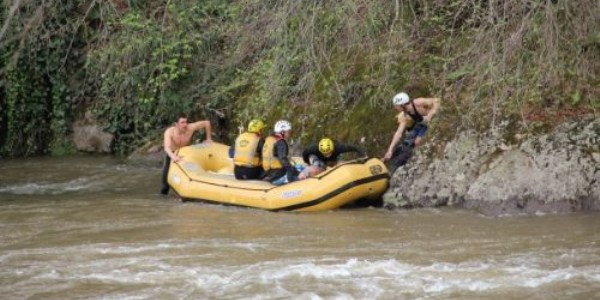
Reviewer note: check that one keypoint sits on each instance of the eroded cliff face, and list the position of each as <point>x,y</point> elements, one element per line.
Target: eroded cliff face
<point>554,172</point>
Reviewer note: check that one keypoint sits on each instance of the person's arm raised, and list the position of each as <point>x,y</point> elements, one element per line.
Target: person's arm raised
<point>203,125</point>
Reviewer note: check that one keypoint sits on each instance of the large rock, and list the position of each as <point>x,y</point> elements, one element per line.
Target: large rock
<point>150,154</point>
<point>437,180</point>
<point>89,137</point>
<point>555,172</point>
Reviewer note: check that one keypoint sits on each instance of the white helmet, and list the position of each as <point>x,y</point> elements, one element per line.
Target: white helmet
<point>282,125</point>
<point>400,99</point>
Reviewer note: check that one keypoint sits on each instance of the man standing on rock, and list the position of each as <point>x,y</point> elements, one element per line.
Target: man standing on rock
<point>177,136</point>
<point>413,117</point>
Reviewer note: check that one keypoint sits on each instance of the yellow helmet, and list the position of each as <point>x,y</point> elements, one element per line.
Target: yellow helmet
<point>256,126</point>
<point>326,146</point>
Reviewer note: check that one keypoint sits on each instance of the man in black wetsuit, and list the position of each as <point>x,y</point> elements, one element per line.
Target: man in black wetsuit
<point>325,154</point>
<point>414,117</point>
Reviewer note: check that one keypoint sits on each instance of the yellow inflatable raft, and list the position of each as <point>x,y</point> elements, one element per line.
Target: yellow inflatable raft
<point>206,174</point>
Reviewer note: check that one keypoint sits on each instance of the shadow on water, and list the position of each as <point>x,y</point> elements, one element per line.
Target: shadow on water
<point>364,203</point>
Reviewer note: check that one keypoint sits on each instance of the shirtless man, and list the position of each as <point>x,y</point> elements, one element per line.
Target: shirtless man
<point>414,117</point>
<point>178,136</point>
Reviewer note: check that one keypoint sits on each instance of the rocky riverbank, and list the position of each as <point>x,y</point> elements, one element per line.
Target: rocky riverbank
<point>554,172</point>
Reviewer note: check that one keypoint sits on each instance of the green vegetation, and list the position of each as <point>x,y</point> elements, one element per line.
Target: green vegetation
<point>329,66</point>
<point>37,60</point>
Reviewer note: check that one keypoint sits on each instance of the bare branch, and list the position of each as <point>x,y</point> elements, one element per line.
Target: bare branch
<point>9,18</point>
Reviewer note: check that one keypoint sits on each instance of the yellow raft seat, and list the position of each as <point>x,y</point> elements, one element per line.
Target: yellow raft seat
<point>206,174</point>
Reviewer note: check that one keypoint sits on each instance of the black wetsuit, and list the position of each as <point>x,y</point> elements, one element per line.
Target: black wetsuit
<point>417,117</point>
<point>338,148</point>
<point>165,172</point>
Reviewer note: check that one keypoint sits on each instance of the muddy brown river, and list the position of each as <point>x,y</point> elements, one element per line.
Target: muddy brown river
<point>89,227</point>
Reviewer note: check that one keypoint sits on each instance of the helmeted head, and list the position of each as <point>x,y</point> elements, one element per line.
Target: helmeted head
<point>400,99</point>
<point>326,147</point>
<point>256,126</point>
<point>282,126</point>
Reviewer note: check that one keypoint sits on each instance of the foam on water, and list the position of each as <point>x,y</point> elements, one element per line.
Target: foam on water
<point>78,176</point>
<point>54,188</point>
<point>166,264</point>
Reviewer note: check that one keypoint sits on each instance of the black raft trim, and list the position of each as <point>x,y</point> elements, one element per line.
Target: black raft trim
<point>333,193</point>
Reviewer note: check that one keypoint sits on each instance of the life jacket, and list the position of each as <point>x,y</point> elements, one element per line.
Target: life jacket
<point>409,121</point>
<point>269,161</point>
<point>245,154</point>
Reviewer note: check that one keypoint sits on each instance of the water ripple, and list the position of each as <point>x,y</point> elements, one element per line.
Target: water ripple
<point>177,268</point>
<point>54,188</point>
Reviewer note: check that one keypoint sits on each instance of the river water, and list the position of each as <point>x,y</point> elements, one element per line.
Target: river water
<point>94,227</point>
